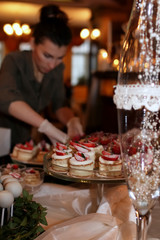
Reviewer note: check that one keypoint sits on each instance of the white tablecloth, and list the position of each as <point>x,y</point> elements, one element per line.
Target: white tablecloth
<point>73,213</point>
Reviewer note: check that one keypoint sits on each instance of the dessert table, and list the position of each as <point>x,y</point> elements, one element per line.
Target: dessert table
<point>73,213</point>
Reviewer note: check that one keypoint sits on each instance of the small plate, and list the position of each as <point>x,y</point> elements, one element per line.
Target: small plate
<point>32,161</point>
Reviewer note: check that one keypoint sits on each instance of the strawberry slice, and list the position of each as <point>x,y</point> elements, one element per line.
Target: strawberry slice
<point>61,146</point>
<point>116,149</point>
<point>76,138</point>
<point>81,149</point>
<point>94,139</point>
<point>88,144</point>
<point>132,151</point>
<point>60,153</point>
<point>15,175</point>
<point>84,155</point>
<point>26,147</point>
<point>15,166</point>
<point>74,143</point>
<point>27,144</point>
<point>80,157</point>
<point>110,157</point>
<point>105,141</point>
<point>30,170</point>
<point>105,153</point>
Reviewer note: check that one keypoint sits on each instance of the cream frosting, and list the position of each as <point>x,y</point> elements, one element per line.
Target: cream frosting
<point>55,156</point>
<point>107,162</point>
<point>73,161</point>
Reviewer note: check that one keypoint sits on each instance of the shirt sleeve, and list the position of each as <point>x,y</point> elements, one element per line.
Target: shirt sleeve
<point>8,83</point>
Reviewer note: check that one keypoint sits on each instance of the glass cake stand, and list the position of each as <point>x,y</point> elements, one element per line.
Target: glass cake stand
<point>85,176</point>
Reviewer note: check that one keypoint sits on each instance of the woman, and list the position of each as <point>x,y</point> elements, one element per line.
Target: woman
<point>30,80</point>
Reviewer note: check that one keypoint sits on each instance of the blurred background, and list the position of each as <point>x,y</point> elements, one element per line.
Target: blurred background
<point>92,59</point>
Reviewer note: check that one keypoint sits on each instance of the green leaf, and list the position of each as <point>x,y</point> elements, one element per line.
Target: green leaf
<point>26,220</point>
<point>39,229</point>
<point>26,195</point>
<point>43,221</point>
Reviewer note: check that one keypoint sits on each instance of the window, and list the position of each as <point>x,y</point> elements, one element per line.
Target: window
<point>2,51</point>
<point>24,46</point>
<point>80,62</point>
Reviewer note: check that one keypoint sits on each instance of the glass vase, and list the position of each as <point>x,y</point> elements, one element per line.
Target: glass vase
<point>137,97</point>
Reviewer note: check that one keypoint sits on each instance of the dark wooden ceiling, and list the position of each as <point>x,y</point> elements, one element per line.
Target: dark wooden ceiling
<point>112,4</point>
<point>116,10</point>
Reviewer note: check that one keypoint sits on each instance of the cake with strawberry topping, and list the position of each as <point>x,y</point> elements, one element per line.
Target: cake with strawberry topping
<point>78,147</point>
<point>95,137</point>
<point>15,150</point>
<point>25,152</point>
<point>60,157</point>
<point>110,164</point>
<point>62,147</point>
<point>43,148</point>
<point>108,138</point>
<point>97,148</point>
<point>80,165</point>
<point>32,179</point>
<point>93,147</point>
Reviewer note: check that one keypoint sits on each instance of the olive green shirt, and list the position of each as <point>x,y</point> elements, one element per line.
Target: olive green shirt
<point>18,83</point>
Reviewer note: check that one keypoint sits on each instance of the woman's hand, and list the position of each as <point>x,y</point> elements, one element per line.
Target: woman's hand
<point>74,127</point>
<point>53,133</point>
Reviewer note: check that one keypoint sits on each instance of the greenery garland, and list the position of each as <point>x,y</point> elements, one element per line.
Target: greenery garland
<point>27,218</point>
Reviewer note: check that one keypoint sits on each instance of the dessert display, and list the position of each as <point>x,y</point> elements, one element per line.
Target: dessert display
<point>25,152</point>
<point>32,179</point>
<point>94,156</point>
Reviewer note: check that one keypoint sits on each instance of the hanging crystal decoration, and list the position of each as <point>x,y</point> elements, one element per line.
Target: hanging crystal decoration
<point>141,57</point>
<point>137,97</point>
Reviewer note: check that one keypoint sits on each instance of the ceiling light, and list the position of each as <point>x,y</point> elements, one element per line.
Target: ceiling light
<point>93,34</point>
<point>7,28</point>
<point>16,29</point>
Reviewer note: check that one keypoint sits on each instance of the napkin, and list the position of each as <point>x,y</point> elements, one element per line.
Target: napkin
<point>73,213</point>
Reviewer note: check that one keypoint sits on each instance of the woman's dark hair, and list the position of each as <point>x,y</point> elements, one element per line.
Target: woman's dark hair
<point>53,25</point>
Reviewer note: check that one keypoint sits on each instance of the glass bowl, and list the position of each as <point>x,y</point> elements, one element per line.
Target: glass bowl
<point>33,178</point>
<point>12,168</point>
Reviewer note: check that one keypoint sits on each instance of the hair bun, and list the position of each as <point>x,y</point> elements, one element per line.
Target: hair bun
<point>52,12</point>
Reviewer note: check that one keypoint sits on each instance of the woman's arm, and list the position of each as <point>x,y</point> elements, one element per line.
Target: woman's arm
<point>25,113</point>
<point>64,114</point>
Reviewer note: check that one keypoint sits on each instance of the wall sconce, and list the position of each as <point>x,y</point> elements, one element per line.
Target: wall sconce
<point>16,29</point>
<point>103,62</point>
<point>115,64</point>
<point>93,34</point>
